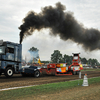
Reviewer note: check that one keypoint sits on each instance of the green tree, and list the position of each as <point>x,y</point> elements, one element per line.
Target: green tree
<point>56,56</point>
<point>67,59</point>
<point>84,60</point>
<point>93,62</point>
<point>90,61</point>
<point>33,49</point>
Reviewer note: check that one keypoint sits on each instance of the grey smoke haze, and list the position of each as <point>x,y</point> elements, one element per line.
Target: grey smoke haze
<point>60,23</point>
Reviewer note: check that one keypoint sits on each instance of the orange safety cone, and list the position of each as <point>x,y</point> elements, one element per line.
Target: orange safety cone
<point>85,80</point>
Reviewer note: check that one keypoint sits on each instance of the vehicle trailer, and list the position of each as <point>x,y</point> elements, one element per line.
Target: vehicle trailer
<point>10,58</point>
<point>50,69</point>
<point>63,68</point>
<point>55,68</point>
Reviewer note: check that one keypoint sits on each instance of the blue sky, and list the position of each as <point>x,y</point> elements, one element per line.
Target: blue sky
<point>12,13</point>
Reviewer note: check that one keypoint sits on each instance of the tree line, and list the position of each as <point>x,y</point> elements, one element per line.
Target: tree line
<point>57,57</point>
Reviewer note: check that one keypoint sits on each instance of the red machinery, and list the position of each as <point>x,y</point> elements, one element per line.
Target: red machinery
<point>63,68</point>
<point>76,65</point>
<point>55,69</point>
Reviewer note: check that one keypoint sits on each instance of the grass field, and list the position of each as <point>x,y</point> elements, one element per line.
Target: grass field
<point>43,89</point>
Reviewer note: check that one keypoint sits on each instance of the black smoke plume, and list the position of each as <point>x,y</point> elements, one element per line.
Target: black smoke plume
<point>60,23</point>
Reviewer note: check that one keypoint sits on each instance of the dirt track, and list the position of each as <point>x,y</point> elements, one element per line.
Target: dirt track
<point>18,80</point>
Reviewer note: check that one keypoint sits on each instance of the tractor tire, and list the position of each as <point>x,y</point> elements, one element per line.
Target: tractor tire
<point>9,72</point>
<point>37,73</point>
